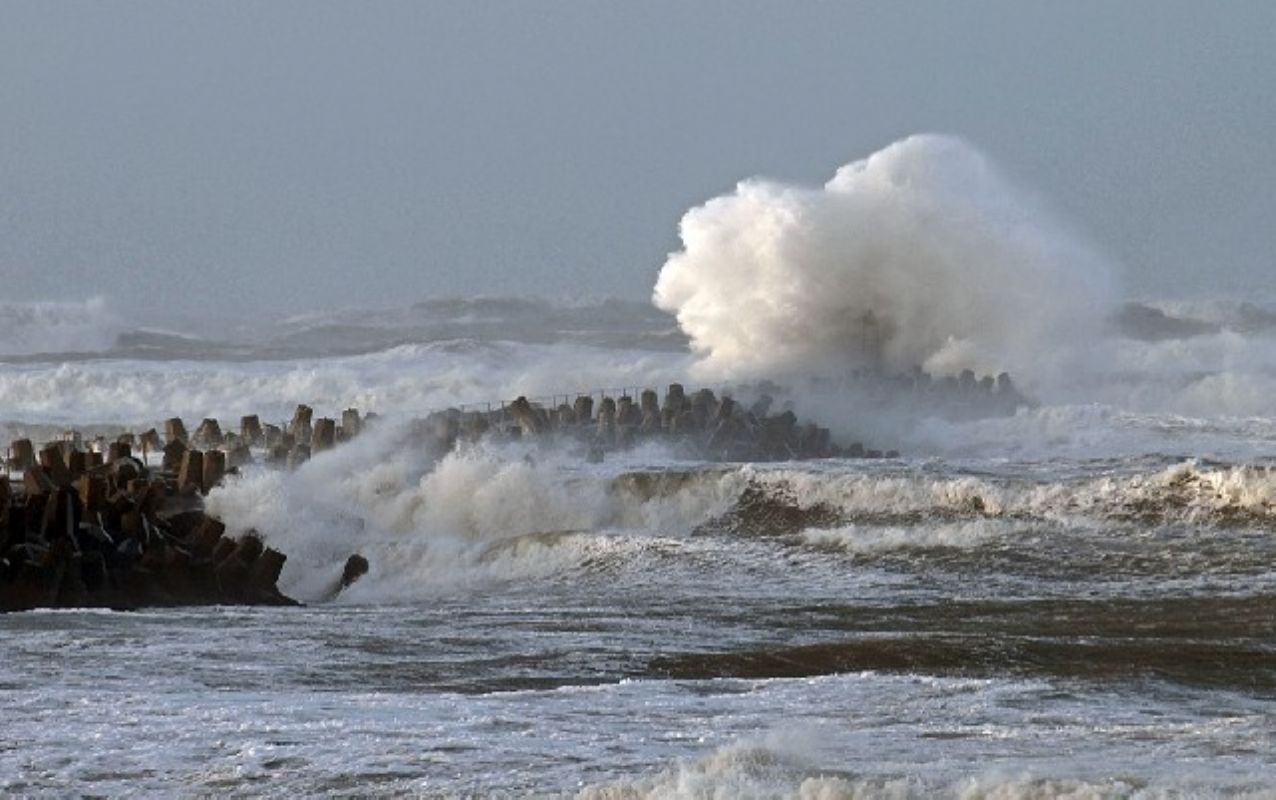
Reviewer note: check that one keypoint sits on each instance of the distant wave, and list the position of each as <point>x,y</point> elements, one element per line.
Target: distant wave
<point>604,323</point>
<point>1157,321</point>
<point>27,329</point>
<point>55,331</point>
<point>407,380</point>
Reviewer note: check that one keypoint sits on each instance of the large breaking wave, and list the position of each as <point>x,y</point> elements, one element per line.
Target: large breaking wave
<point>922,254</point>
<point>520,511</point>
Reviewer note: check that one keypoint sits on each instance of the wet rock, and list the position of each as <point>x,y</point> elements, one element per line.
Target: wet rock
<point>77,463</point>
<point>54,464</point>
<point>324,436</point>
<point>298,455</point>
<point>175,430</point>
<point>703,406</point>
<point>150,441</point>
<point>233,563</point>
<point>214,470</point>
<point>684,423</point>
<point>174,453</point>
<point>351,425</point>
<point>202,541</point>
<point>528,418</point>
<point>627,413</point>
<point>125,470</point>
<point>675,399</point>
<point>191,475</point>
<point>118,538</point>
<point>277,455</point>
<point>606,430</point>
<point>356,567</point>
<point>264,574</point>
<point>250,431</point>
<point>6,503</point>
<point>37,482</point>
<point>183,524</point>
<point>21,454</point>
<point>92,491</point>
<point>762,406</point>
<point>300,425</point>
<point>208,434</point>
<point>584,409</point>
<point>238,456</point>
<point>649,406</point>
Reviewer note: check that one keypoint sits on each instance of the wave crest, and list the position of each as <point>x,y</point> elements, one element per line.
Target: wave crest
<point>51,328</point>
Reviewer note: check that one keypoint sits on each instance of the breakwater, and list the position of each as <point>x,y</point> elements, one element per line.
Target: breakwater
<point>83,527</point>
<point>121,523</point>
<point>700,424</point>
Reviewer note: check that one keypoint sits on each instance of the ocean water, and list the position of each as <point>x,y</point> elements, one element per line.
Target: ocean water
<point>1075,600</point>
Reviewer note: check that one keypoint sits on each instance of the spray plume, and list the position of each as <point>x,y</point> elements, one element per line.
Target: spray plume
<point>922,254</point>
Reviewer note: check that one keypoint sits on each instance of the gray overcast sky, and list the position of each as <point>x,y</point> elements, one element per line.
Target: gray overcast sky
<point>290,155</point>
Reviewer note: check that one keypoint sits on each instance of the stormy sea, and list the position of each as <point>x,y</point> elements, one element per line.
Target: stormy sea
<point>1071,597</point>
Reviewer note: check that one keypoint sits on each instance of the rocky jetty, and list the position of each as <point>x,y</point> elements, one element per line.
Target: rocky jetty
<point>96,527</point>
<point>917,394</point>
<point>120,523</point>
<point>702,424</point>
